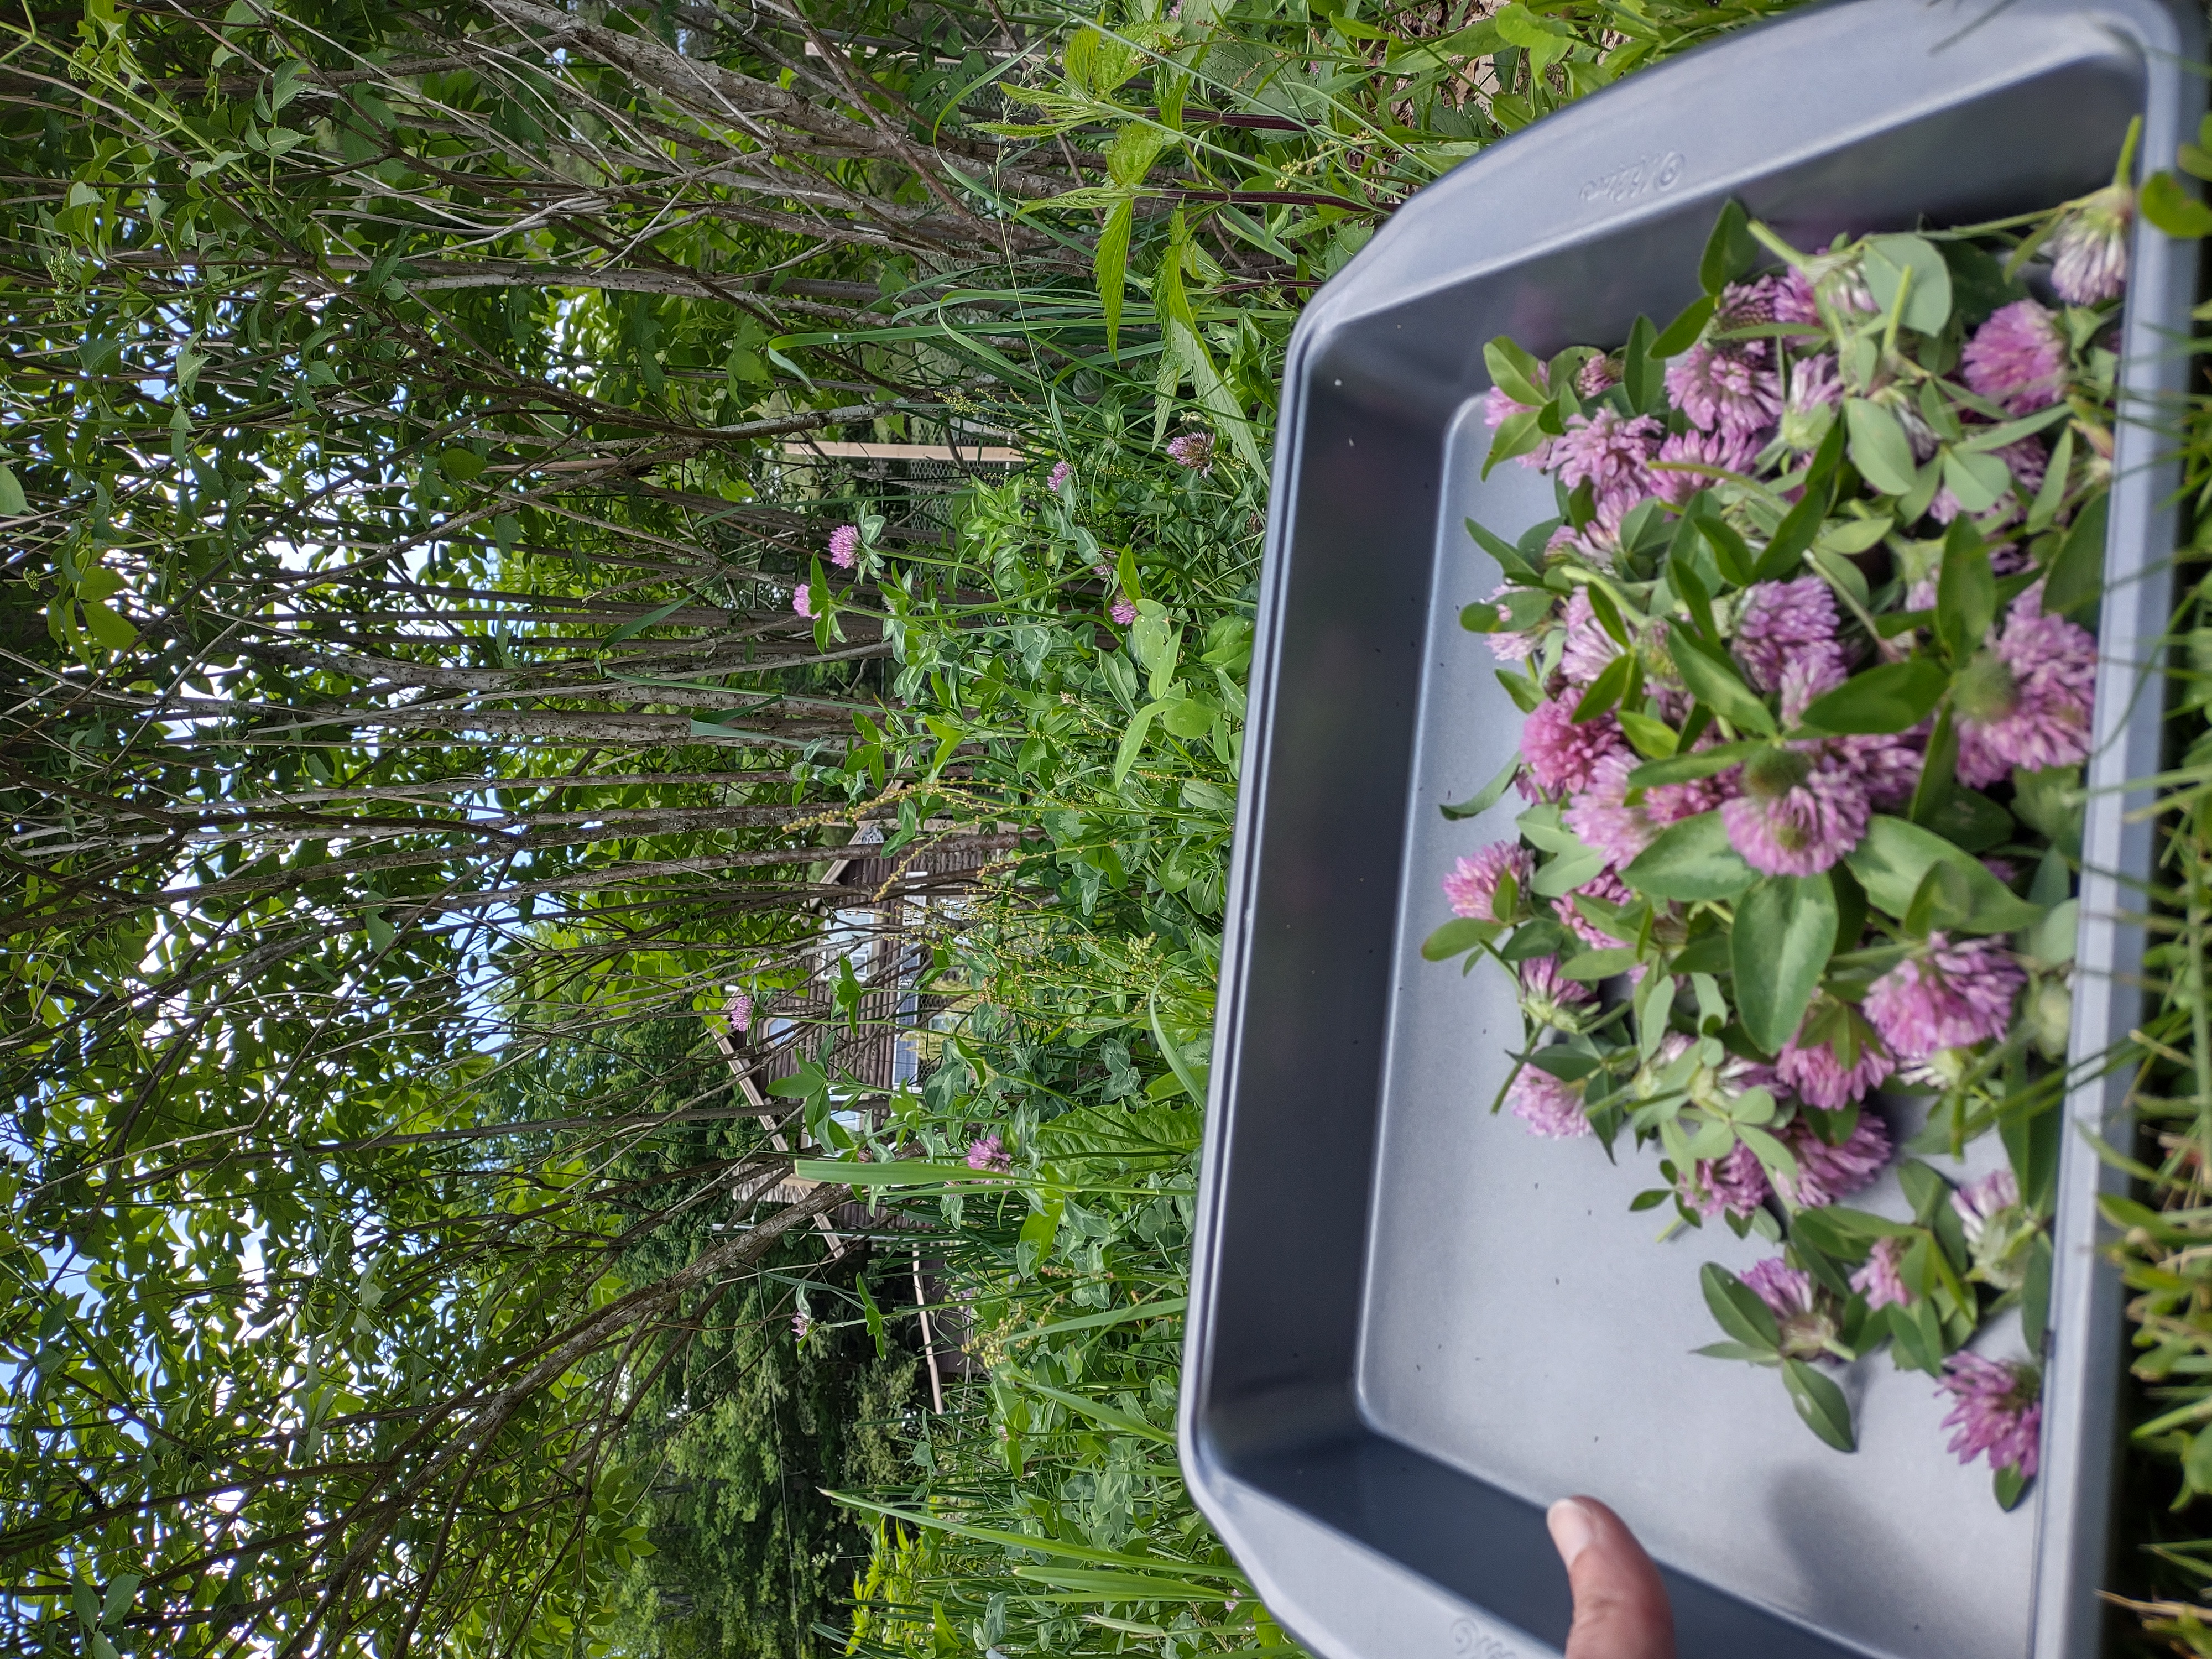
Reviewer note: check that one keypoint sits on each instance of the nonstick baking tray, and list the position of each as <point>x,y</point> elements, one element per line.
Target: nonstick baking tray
<point>1411,1325</point>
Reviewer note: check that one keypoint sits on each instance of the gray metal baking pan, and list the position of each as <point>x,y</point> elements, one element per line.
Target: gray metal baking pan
<point>1413,1326</point>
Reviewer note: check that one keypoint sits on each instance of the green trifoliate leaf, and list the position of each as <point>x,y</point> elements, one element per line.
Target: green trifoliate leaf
<point>1894,697</point>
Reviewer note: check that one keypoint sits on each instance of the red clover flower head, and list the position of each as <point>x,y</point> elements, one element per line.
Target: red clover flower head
<point>1944,997</point>
<point>1124,612</point>
<point>1881,1281</point>
<point>844,545</point>
<point>801,1323</point>
<point>1826,1173</point>
<point>1809,1323</point>
<point>2017,358</point>
<point>1808,406</point>
<point>1610,453</point>
<point>1728,386</point>
<point>802,599</point>
<point>989,1152</point>
<point>1778,621</point>
<point>1605,885</point>
<point>1551,1107</point>
<point>1734,451</point>
<point>1062,472</point>
<point>1560,754</point>
<point>2026,700</point>
<point>2089,249</point>
<point>1818,1075</point>
<point>1597,377</point>
<point>1193,450</point>
<point>2000,1230</point>
<point>741,1012</point>
<point>1798,813</point>
<point>1736,1183</point>
<point>1472,886</point>
<point>1996,1408</point>
<point>1549,998</point>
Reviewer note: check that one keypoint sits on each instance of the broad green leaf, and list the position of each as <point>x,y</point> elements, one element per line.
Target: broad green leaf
<point>1109,263</point>
<point>1682,333</point>
<point>1976,481</point>
<point>1730,250</point>
<point>1715,682</point>
<point>1738,1311</point>
<point>1698,763</point>
<point>1820,1403</point>
<point>1879,447</point>
<point>1966,591</point>
<point>1785,929</point>
<point>2167,202</point>
<point>13,504</point>
<point>1514,372</point>
<point>1894,697</point>
<point>1912,264</point>
<point>2077,574</point>
<point>1894,856</point>
<point>1488,796</point>
<point>1456,937</point>
<point>1691,860</point>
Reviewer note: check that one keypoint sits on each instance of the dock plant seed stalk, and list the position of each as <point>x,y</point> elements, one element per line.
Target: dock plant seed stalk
<point>1807,660</point>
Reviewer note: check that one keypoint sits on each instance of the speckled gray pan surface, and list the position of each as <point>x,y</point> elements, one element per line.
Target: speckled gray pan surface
<point>1411,1325</point>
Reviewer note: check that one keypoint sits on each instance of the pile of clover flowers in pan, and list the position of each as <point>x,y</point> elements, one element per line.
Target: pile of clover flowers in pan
<point>1807,660</point>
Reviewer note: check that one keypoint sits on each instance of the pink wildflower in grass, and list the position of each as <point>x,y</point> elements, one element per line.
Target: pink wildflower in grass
<point>1947,997</point>
<point>1498,408</point>
<point>1193,450</point>
<point>989,1152</point>
<point>1822,1079</point>
<point>1588,648</point>
<point>1826,1173</point>
<point>1472,886</point>
<point>844,545</point>
<point>1124,612</point>
<point>1559,754</point>
<point>1735,1183</point>
<point>1778,620</point>
<point>1731,450</point>
<point>741,1012</point>
<point>1549,1107</point>
<point>1610,453</point>
<point>802,599</point>
<point>2026,700</point>
<point>2089,250</point>
<point>801,1323</point>
<point>1606,886</point>
<point>1996,1408</point>
<point>1062,472</point>
<point>2017,358</point>
<point>1729,387</point>
<point>1881,1281</point>
<point>1798,813</point>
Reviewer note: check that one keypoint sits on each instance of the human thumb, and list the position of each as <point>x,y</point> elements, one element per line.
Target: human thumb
<point>1621,1605</point>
